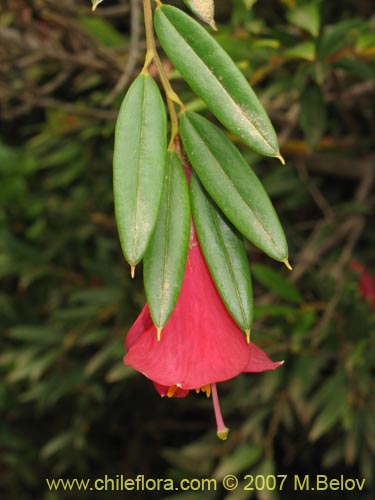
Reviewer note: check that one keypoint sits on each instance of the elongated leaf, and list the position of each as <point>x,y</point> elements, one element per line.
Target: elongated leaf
<point>341,34</point>
<point>243,458</point>
<point>304,50</point>
<point>165,259</point>
<point>232,184</point>
<point>215,78</point>
<point>306,17</point>
<point>225,254</point>
<point>139,165</point>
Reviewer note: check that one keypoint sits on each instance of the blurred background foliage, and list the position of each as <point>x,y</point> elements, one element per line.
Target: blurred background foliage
<point>68,406</point>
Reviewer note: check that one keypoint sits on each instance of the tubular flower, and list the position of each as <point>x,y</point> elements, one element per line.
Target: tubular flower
<point>199,346</point>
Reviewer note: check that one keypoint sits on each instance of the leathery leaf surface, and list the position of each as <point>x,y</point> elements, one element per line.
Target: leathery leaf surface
<point>139,165</point>
<point>215,78</point>
<point>165,259</point>
<point>232,184</point>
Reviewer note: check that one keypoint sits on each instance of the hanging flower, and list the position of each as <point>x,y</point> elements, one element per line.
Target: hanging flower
<point>199,346</point>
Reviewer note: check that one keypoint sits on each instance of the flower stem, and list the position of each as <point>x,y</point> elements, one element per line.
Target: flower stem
<point>152,55</point>
<point>222,430</point>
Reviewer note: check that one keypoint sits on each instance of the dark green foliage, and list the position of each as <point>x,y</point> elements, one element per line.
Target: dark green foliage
<point>68,406</point>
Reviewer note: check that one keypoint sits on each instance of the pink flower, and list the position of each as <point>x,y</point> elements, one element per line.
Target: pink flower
<point>199,346</point>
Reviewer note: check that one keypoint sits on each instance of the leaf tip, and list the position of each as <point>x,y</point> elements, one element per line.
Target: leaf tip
<point>286,262</point>
<point>158,332</point>
<point>132,271</point>
<point>214,25</point>
<point>95,3</point>
<point>279,157</point>
<point>248,333</point>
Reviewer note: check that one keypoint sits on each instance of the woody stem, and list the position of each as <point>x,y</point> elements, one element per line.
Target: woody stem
<point>152,55</point>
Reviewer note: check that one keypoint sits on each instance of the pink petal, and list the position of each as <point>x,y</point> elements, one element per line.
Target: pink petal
<point>142,323</point>
<point>259,361</point>
<point>163,391</point>
<point>200,345</point>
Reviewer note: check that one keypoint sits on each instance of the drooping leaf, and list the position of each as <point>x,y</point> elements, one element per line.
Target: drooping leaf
<point>306,17</point>
<point>232,184</point>
<point>225,255</point>
<point>215,78</point>
<point>139,165</point>
<point>165,259</point>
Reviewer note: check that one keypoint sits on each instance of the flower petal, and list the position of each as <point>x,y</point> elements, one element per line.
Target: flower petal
<point>201,344</point>
<point>163,391</point>
<point>142,323</point>
<point>259,361</point>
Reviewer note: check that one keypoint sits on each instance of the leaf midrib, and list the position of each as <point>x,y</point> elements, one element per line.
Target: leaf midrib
<point>213,78</point>
<point>166,246</point>
<point>259,224</point>
<point>228,262</point>
<point>139,169</point>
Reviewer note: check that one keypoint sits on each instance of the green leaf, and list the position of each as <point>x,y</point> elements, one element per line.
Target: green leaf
<point>273,310</point>
<point>306,17</point>
<point>225,255</point>
<point>242,458</point>
<point>101,357</point>
<point>103,31</point>
<point>35,335</point>
<point>119,372</point>
<point>57,443</point>
<point>232,184</point>
<point>165,259</point>
<point>339,35</point>
<point>276,282</point>
<point>139,165</point>
<point>305,50</point>
<point>313,114</point>
<point>330,414</point>
<point>215,78</point>
<point>355,67</point>
<point>365,41</point>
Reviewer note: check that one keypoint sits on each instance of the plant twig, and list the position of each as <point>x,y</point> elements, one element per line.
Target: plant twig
<point>152,55</point>
<point>314,191</point>
<point>356,224</point>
